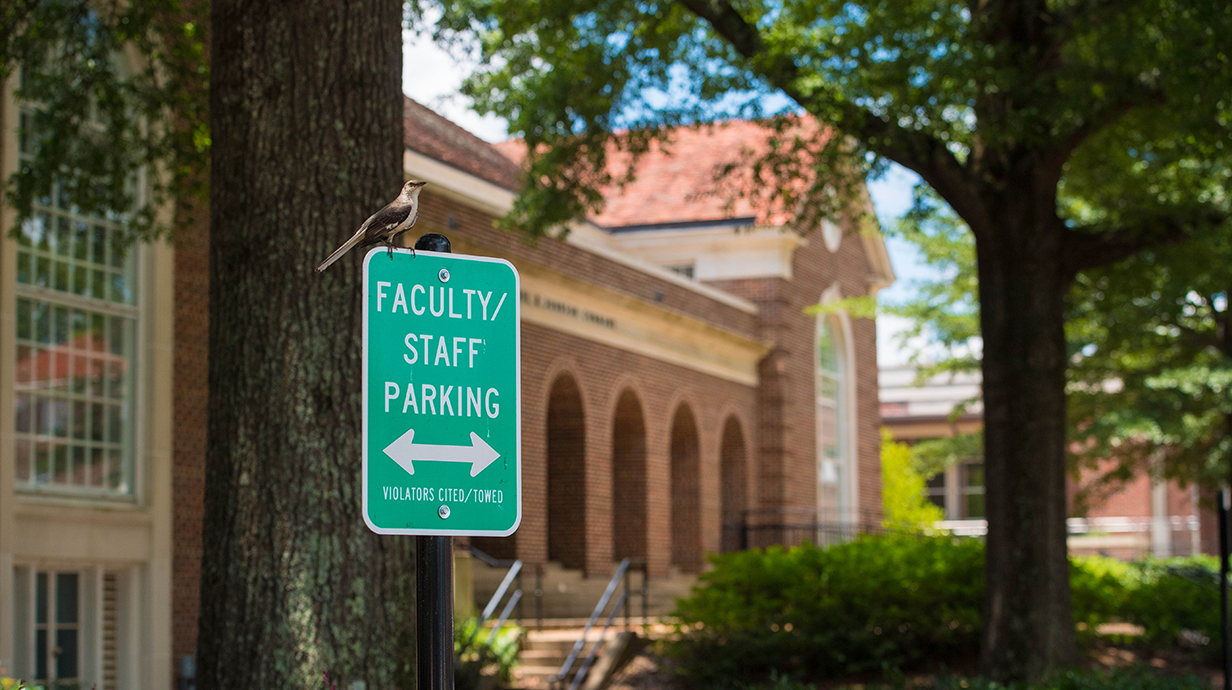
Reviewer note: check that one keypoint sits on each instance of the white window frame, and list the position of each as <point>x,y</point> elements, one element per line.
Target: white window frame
<point>131,453</point>
<point>90,625</point>
<point>848,468</point>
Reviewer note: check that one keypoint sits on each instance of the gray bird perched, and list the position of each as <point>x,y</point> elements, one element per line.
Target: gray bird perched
<point>385,225</point>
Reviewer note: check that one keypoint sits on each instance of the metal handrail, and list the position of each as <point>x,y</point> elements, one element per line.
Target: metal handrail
<point>494,562</point>
<point>496,627</point>
<point>514,570</point>
<point>594,651</point>
<point>594,616</point>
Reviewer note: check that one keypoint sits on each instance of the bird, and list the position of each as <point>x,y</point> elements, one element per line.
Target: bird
<point>385,225</point>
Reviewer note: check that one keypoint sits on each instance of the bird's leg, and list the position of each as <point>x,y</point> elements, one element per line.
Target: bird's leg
<point>390,245</point>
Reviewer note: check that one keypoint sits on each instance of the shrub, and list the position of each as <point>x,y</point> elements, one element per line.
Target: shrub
<point>473,659</point>
<point>882,603</point>
<point>902,489</point>
<point>1130,678</point>
<point>872,604</point>
<point>1100,590</point>
<point>1178,594</point>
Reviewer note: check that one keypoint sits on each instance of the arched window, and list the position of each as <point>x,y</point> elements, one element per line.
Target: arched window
<point>833,465</point>
<point>686,491</point>
<point>566,436</point>
<point>629,518</point>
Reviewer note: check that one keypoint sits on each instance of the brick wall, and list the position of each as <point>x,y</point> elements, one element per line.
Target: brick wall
<point>612,417</point>
<point>786,398</point>
<point>603,375</point>
<point>471,230</point>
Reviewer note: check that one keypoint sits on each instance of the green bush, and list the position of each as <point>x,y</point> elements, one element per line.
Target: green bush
<point>873,604</point>
<point>887,602</point>
<point>476,656</point>
<point>1100,591</point>
<point>1130,678</point>
<point>1167,597</point>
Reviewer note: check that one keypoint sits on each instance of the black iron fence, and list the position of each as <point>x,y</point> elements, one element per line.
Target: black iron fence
<point>758,529</point>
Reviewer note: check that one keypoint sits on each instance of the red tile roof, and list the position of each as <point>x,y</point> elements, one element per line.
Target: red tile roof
<point>677,183</point>
<point>432,135</point>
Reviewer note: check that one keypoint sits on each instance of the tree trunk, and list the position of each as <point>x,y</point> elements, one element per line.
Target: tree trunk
<point>1028,621</point>
<point>306,143</point>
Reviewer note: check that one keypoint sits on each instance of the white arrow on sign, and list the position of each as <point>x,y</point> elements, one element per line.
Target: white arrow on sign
<point>403,452</point>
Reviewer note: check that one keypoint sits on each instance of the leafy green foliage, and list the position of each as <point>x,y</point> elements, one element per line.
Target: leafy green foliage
<point>117,102</point>
<point>933,456</point>
<point>890,602</point>
<point>902,490</point>
<point>1168,597</point>
<point>1151,379</point>
<point>1151,342</point>
<point>1129,678</point>
<point>477,655</point>
<point>871,604</point>
<point>944,310</point>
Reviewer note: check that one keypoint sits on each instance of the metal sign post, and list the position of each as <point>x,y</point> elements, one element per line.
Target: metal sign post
<point>442,416</point>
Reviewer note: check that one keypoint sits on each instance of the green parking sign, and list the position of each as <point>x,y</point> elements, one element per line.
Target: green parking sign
<point>442,423</point>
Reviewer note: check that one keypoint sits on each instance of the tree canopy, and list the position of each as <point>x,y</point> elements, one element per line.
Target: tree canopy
<point>116,109</point>
<point>1065,134</point>
<point>1131,88</point>
<point>1150,351</point>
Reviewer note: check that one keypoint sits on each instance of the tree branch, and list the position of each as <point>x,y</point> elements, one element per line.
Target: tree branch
<point>1092,247</point>
<point>1199,339</point>
<point>1101,118</point>
<point>13,18</point>
<point>917,151</point>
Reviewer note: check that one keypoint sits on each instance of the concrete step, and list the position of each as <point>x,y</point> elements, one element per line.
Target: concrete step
<point>544,651</point>
<point>533,677</point>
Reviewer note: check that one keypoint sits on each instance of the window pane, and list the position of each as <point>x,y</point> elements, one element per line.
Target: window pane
<point>40,655</point>
<point>66,597</point>
<point>66,657</point>
<point>831,444</point>
<point>60,458</point>
<point>973,475</point>
<point>83,379</point>
<point>974,504</point>
<point>77,357</point>
<point>40,598</point>
<point>23,461</point>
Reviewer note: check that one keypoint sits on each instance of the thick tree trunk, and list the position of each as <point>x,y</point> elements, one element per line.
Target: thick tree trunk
<point>307,141</point>
<point>1028,621</point>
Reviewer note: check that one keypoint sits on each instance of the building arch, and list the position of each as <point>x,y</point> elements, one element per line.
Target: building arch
<point>629,479</point>
<point>733,483</point>
<point>566,472</point>
<point>685,455</point>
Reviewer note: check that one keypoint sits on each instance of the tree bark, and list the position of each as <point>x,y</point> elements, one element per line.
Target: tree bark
<point>1028,620</point>
<point>306,118</point>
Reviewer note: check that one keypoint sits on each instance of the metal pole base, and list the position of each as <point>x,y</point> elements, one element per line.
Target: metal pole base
<point>434,589</point>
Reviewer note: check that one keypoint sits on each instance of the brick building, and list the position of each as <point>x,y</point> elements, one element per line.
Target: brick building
<point>1140,516</point>
<point>672,383</point>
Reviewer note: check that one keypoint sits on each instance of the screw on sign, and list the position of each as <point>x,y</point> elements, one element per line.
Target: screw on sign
<point>442,394</point>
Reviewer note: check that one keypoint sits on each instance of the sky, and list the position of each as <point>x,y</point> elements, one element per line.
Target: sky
<point>432,77</point>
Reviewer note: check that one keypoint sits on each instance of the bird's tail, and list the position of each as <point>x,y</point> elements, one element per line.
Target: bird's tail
<point>346,247</point>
